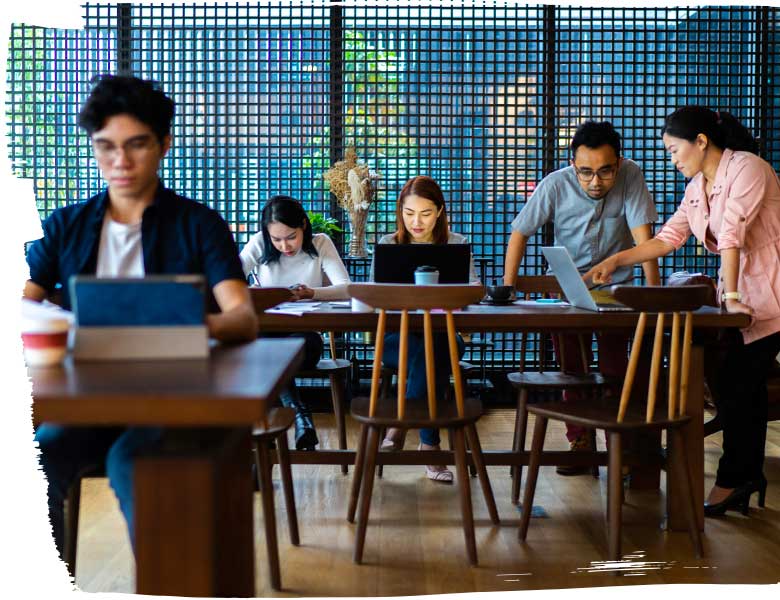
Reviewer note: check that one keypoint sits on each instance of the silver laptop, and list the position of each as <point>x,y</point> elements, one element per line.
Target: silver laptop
<point>154,317</point>
<point>570,280</point>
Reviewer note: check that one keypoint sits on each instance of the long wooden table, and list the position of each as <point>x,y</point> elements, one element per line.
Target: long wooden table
<point>522,317</point>
<point>194,493</point>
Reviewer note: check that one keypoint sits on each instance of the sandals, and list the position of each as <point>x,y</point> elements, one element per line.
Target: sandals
<point>438,473</point>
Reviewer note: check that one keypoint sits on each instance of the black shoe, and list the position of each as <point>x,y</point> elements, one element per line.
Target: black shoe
<point>579,444</point>
<point>738,499</point>
<point>305,434</point>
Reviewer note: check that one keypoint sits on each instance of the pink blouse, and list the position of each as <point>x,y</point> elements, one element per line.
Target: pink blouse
<point>742,211</point>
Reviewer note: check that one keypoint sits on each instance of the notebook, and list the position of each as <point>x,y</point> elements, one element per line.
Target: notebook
<point>158,316</point>
<point>570,280</point>
<point>396,263</point>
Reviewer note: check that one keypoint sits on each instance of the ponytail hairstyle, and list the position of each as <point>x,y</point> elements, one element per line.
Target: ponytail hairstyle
<point>424,187</point>
<point>288,211</point>
<point>721,128</point>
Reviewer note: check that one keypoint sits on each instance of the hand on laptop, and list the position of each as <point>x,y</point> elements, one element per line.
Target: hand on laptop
<point>602,272</point>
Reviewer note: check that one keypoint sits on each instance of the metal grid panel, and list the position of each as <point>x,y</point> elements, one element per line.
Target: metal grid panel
<point>482,97</point>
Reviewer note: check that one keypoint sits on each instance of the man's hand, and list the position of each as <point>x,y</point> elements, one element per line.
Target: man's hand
<point>602,272</point>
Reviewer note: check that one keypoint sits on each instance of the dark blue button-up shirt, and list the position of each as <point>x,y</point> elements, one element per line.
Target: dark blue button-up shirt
<point>178,236</point>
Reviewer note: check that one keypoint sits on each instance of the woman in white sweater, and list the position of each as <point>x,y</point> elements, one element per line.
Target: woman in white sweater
<point>285,253</point>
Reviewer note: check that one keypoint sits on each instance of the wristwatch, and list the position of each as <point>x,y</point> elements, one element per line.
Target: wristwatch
<point>731,296</point>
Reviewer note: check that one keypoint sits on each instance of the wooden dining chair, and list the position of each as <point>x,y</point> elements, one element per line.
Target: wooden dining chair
<point>334,369</point>
<point>547,381</point>
<point>618,418</point>
<point>458,416</point>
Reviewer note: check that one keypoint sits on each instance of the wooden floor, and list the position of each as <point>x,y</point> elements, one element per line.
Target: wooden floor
<point>415,542</point>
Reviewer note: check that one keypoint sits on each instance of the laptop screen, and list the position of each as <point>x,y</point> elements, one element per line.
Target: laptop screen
<point>157,300</point>
<point>396,263</point>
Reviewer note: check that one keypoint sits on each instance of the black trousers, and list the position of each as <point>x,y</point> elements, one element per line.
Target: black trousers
<point>737,374</point>
<point>312,352</point>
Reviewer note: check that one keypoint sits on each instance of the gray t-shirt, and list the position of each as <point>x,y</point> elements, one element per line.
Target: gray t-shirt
<point>454,238</point>
<point>591,230</point>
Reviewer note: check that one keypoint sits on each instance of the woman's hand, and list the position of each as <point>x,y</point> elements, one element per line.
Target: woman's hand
<point>602,272</point>
<point>301,291</point>
<point>735,306</point>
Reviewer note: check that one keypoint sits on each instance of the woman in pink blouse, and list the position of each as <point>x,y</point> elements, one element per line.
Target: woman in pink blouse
<point>731,205</point>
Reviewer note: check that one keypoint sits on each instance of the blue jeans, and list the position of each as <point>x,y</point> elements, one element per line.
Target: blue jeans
<point>416,381</point>
<point>67,451</point>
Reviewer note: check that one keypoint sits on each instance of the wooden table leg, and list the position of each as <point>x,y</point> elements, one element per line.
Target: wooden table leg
<point>693,433</point>
<point>193,516</point>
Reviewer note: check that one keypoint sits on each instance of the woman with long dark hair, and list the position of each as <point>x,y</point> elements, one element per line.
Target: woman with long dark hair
<point>285,253</point>
<point>732,205</point>
<point>421,218</point>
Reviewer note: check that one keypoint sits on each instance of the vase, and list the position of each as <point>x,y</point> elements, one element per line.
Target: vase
<point>357,233</point>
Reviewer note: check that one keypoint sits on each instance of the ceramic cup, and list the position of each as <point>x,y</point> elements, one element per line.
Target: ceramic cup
<point>45,341</point>
<point>426,275</point>
<point>499,293</point>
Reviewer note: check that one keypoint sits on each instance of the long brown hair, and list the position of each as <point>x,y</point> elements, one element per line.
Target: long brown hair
<point>424,187</point>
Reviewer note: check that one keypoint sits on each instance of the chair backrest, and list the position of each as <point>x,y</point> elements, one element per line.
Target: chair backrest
<point>531,286</point>
<point>416,297</point>
<point>678,301</point>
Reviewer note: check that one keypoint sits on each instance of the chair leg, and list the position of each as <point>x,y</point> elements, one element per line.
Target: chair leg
<point>337,394</point>
<point>285,471</point>
<point>476,454</point>
<point>380,469</point>
<point>269,516</point>
<point>614,495</point>
<point>537,444</point>
<point>464,487</point>
<point>372,446</point>
<point>357,474</point>
<point>595,468</point>
<point>72,526</point>
<point>679,463</point>
<point>518,445</point>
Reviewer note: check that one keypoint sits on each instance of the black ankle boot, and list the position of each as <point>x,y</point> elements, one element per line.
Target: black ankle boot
<point>305,434</point>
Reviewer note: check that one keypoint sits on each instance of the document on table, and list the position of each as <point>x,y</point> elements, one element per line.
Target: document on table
<point>293,308</point>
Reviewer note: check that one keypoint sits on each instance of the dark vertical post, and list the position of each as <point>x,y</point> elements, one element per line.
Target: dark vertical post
<point>763,74</point>
<point>336,141</point>
<point>124,40</point>
<point>549,136</point>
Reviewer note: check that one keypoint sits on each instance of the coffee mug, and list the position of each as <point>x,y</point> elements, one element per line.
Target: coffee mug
<point>45,341</point>
<point>426,275</point>
<point>499,292</point>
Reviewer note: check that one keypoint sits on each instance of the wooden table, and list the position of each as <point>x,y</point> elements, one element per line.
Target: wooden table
<point>194,494</point>
<point>523,317</point>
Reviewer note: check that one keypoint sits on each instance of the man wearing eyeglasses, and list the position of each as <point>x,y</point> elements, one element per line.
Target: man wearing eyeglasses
<point>598,205</point>
<point>134,227</point>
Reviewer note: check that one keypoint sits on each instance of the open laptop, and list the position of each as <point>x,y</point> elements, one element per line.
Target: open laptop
<point>396,263</point>
<point>158,316</point>
<point>570,280</point>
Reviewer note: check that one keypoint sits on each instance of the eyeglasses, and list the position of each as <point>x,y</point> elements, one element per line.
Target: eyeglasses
<point>604,173</point>
<point>133,148</point>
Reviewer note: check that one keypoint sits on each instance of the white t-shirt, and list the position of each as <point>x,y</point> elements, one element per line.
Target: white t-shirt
<point>301,268</point>
<point>120,253</point>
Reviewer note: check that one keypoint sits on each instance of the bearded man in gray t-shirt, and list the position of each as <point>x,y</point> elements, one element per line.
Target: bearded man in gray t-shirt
<point>598,205</point>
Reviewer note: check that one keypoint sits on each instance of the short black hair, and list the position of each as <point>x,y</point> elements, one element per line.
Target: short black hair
<point>593,134</point>
<point>121,94</point>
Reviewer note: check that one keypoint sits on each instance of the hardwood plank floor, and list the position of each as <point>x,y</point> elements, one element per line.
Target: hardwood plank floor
<point>415,544</point>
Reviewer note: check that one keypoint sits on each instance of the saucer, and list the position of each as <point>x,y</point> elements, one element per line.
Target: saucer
<point>491,302</point>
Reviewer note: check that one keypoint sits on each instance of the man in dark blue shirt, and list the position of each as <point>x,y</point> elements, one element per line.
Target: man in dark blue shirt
<point>135,227</point>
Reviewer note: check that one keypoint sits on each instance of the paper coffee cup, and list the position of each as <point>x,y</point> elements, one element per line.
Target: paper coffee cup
<point>45,341</point>
<point>426,277</point>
